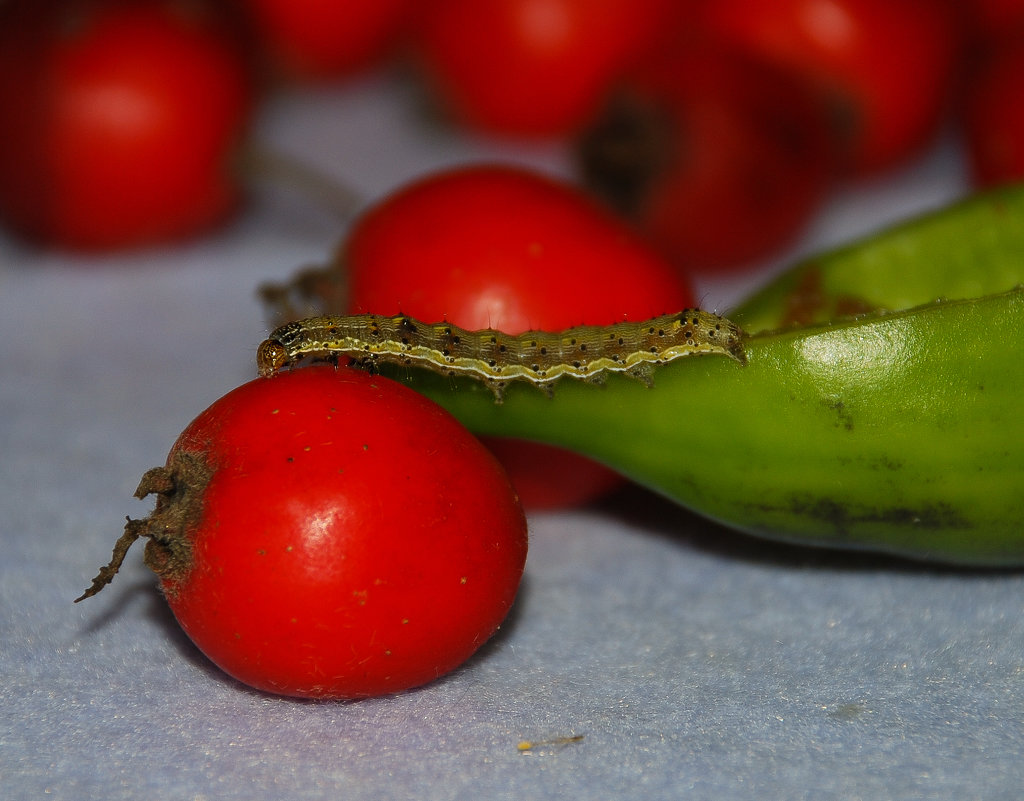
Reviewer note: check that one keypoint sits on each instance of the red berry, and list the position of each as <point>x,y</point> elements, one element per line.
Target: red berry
<point>330,534</point>
<point>990,20</point>
<point>505,248</point>
<point>325,39</point>
<point>994,115</point>
<point>884,67</point>
<point>532,67</point>
<point>120,120</point>
<point>721,160</point>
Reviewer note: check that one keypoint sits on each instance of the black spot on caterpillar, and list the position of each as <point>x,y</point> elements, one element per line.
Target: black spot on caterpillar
<point>585,352</point>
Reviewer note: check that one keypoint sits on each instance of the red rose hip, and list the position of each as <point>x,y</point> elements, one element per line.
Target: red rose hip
<point>331,534</point>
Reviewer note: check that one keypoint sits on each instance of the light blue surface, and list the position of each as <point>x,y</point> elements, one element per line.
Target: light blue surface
<point>696,663</point>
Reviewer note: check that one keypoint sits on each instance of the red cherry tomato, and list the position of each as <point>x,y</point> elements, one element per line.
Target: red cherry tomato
<point>120,120</point>
<point>532,67</point>
<point>885,67</point>
<point>720,159</point>
<point>502,247</point>
<point>994,116</point>
<point>315,40</point>
<point>331,534</point>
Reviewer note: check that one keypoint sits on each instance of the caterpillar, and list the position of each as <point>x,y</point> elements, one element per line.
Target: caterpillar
<point>584,352</point>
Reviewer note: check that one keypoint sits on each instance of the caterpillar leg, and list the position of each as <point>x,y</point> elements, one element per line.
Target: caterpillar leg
<point>497,386</point>
<point>643,372</point>
<point>548,388</point>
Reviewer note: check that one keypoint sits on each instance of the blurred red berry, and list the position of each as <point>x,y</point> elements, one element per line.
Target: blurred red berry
<point>315,40</point>
<point>990,20</point>
<point>121,119</point>
<point>994,116</point>
<point>532,67</point>
<point>720,159</point>
<point>885,67</point>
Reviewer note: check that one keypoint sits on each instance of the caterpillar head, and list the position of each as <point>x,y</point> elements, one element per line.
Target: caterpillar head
<point>271,357</point>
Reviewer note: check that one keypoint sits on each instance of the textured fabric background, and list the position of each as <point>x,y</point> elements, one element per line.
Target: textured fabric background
<point>696,663</point>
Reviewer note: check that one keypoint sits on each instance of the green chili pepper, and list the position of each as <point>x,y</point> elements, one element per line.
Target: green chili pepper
<point>896,431</point>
